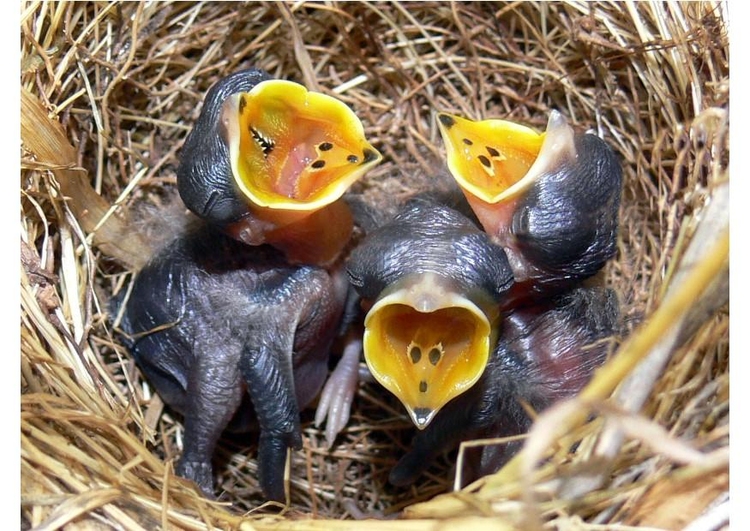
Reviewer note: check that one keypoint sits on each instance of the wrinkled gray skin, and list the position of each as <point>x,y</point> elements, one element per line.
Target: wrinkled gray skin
<point>212,321</point>
<point>204,177</point>
<point>566,225</point>
<point>540,358</point>
<point>426,237</point>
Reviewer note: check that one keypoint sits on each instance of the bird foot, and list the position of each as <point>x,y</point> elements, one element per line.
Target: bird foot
<point>338,393</point>
<point>199,473</point>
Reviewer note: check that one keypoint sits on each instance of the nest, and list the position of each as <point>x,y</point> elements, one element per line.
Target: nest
<point>109,91</point>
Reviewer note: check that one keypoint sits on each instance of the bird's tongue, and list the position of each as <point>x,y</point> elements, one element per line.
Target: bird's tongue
<point>293,181</point>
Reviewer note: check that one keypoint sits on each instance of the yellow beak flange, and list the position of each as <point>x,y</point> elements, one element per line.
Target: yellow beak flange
<point>488,158</point>
<point>427,343</point>
<point>495,161</point>
<point>293,151</point>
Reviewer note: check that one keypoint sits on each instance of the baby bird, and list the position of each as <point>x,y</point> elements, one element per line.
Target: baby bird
<point>550,199</point>
<point>249,303</point>
<point>544,353</point>
<point>435,282</point>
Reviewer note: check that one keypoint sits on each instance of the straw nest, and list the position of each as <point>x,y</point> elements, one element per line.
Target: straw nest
<point>109,91</point>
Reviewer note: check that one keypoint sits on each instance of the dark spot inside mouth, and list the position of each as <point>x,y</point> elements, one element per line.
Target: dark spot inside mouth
<point>485,161</point>
<point>325,146</point>
<point>422,386</point>
<point>243,104</point>
<point>353,159</point>
<point>468,142</point>
<point>434,356</point>
<point>415,354</point>
<point>446,120</point>
<point>370,155</point>
<point>492,151</point>
<point>318,164</point>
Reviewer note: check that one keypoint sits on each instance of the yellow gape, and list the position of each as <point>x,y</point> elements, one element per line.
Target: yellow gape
<point>427,343</point>
<point>292,149</point>
<point>494,161</point>
<point>294,152</point>
<point>488,157</point>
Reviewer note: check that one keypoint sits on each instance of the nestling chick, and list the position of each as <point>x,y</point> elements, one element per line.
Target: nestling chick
<point>550,199</point>
<point>211,320</point>
<point>251,302</point>
<point>435,281</point>
<point>544,353</point>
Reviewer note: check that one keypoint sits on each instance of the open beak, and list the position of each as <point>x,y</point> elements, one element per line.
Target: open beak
<point>427,343</point>
<point>495,161</point>
<point>293,152</point>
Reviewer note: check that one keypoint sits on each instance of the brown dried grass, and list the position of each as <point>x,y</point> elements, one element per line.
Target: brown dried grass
<point>109,91</point>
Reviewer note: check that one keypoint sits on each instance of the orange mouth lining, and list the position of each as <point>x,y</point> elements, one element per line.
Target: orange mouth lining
<point>427,357</point>
<point>294,149</point>
<point>489,158</point>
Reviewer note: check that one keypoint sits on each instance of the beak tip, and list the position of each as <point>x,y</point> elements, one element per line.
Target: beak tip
<point>422,416</point>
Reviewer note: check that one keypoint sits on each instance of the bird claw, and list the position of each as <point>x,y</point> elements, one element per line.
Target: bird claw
<point>199,473</point>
